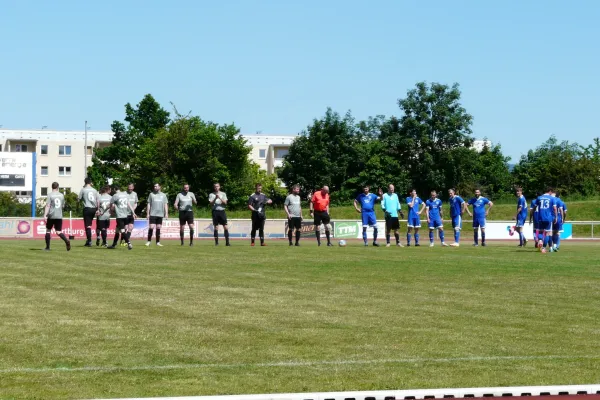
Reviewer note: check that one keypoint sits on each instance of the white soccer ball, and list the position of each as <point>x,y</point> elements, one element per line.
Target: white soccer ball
<point>342,243</point>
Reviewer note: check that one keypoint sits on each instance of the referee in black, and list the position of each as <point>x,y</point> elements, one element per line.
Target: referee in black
<point>256,204</point>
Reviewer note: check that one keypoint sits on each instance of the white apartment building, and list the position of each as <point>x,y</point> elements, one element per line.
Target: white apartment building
<point>61,155</point>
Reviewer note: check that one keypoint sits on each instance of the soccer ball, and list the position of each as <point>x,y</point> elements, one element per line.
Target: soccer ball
<point>342,243</point>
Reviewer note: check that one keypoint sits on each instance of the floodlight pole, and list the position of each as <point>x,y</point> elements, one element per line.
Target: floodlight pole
<point>85,153</point>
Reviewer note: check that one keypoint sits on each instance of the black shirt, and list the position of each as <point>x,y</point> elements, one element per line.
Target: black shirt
<point>258,202</point>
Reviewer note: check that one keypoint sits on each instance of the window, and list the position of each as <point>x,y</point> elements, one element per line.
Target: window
<point>44,171</point>
<point>280,153</point>
<point>262,153</point>
<point>44,149</point>
<point>21,148</point>
<point>64,150</point>
<point>0,147</point>
<point>44,191</point>
<point>22,193</point>
<point>64,171</point>
<point>89,151</point>
<point>64,190</point>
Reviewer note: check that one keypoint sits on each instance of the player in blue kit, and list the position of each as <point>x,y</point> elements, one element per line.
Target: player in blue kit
<point>521,216</point>
<point>414,219</point>
<point>457,208</point>
<point>557,228</point>
<point>546,204</point>
<point>367,211</point>
<point>479,213</point>
<point>433,209</point>
<point>534,216</point>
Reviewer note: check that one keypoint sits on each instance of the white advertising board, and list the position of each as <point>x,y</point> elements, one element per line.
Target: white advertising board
<point>16,171</point>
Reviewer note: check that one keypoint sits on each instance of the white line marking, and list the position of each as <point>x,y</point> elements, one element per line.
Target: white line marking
<point>293,364</point>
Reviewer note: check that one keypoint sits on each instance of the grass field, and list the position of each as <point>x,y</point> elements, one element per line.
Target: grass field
<point>178,321</point>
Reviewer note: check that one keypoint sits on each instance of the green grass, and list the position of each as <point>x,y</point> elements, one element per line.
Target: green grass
<point>342,318</point>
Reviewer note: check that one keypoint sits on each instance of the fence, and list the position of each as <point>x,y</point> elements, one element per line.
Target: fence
<point>277,229</point>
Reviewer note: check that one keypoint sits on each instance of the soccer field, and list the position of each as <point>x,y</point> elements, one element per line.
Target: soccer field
<point>177,321</point>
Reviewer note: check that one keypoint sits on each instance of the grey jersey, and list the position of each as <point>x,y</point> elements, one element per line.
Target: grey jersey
<point>157,202</point>
<point>293,204</point>
<point>57,202</point>
<point>218,204</point>
<point>104,201</point>
<point>133,200</point>
<point>121,202</point>
<point>89,196</point>
<point>185,201</point>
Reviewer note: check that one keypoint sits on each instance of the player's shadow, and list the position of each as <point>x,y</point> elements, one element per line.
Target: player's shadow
<point>36,249</point>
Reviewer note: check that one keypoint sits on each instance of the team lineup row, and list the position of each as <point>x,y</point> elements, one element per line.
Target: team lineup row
<point>112,201</point>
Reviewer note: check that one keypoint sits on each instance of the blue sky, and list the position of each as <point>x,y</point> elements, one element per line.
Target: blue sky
<point>527,69</point>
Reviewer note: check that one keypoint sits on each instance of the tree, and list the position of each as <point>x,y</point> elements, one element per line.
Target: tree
<point>432,126</point>
<point>115,161</point>
<point>566,167</point>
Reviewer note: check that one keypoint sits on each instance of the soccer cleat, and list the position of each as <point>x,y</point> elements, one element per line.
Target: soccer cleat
<point>87,244</point>
<point>329,245</point>
<point>46,249</point>
<point>191,244</point>
<point>297,244</point>
<point>444,244</point>
<point>97,242</point>
<point>291,244</point>
<point>252,244</point>
<point>407,244</point>
<point>552,250</point>
<point>454,244</point>
<point>104,245</point>
<point>387,245</point>
<point>68,245</point>
<point>366,244</point>
<point>158,244</point>
<point>227,244</point>
<point>399,244</point>
<point>431,245</point>
<point>263,244</point>
<point>483,244</point>
<point>525,242</point>
<point>147,244</point>
<point>216,244</point>
<point>375,244</point>
<point>475,244</point>
<point>112,247</point>
<point>417,245</point>
<point>129,246</point>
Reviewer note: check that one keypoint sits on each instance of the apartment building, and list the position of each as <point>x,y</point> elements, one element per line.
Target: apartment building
<point>62,155</point>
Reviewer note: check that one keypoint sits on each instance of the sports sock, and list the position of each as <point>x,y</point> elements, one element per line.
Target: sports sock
<point>318,235</point>
<point>116,239</point>
<point>557,242</point>
<point>157,235</point>
<point>327,234</point>
<point>127,236</point>
<point>261,234</point>
<point>215,235</point>
<point>417,236</point>
<point>431,236</point>
<point>555,239</point>
<point>298,236</point>
<point>408,238</point>
<point>546,239</point>
<point>63,237</point>
<point>88,234</point>
<point>476,236</point>
<point>47,237</point>
<point>387,238</point>
<point>520,238</point>
<point>226,236</point>
<point>181,234</point>
<point>482,236</point>
<point>397,236</point>
<point>442,236</point>
<point>104,235</point>
<point>375,234</point>
<point>150,232</point>
<point>191,235</point>
<point>290,235</point>
<point>252,235</point>
<point>456,236</point>
<point>365,235</point>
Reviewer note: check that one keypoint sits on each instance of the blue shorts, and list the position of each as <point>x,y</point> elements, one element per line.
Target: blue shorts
<point>369,218</point>
<point>435,224</point>
<point>414,222</point>
<point>478,222</point>
<point>520,221</point>
<point>558,226</point>
<point>545,226</point>
<point>457,223</point>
